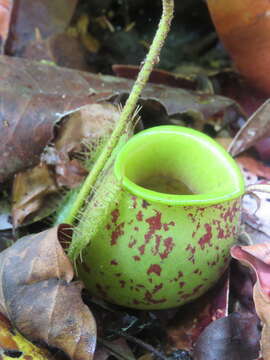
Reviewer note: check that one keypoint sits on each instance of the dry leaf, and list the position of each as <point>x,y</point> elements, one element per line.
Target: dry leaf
<point>37,295</point>
<point>256,167</point>
<point>14,345</point>
<point>34,97</point>
<point>256,128</point>
<point>89,123</point>
<point>49,17</point>
<point>30,189</point>
<point>235,337</point>
<point>257,257</point>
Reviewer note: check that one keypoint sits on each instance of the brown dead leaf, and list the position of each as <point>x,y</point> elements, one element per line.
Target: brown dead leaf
<point>235,337</point>
<point>49,17</point>
<point>14,345</point>
<point>34,97</point>
<point>30,188</point>
<point>70,173</point>
<point>62,49</point>
<point>255,166</point>
<point>257,257</point>
<point>89,123</point>
<point>256,128</point>
<point>262,304</point>
<point>37,295</point>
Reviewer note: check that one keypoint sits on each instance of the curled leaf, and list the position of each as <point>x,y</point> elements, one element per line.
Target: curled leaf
<point>257,257</point>
<point>255,129</point>
<point>30,189</point>
<point>37,295</point>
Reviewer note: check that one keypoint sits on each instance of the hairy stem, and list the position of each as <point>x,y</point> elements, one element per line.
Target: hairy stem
<point>152,58</point>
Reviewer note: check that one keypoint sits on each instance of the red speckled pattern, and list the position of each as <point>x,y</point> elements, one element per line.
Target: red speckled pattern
<point>154,256</point>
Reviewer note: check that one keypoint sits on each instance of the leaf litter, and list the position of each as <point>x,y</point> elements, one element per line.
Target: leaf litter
<point>40,299</point>
<point>32,82</point>
<point>206,111</point>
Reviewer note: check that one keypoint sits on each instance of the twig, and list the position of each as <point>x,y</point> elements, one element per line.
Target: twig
<point>143,344</point>
<point>151,60</point>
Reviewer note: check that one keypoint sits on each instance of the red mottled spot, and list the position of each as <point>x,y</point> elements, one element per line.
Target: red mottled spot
<point>130,222</point>
<point>182,284</point>
<point>196,229</point>
<point>155,250</point>
<point>118,274</point>
<point>136,228</point>
<point>167,226</point>
<point>115,215</point>
<point>114,262</point>
<point>205,239</point>
<point>136,258</point>
<point>132,243</point>
<point>136,302</point>
<point>180,274</point>
<point>141,249</point>
<point>196,271</point>
<point>150,280</point>
<point>149,298</point>
<point>139,216</point>
<point>155,268</point>
<point>134,201</point>
<point>221,234</point>
<point>196,289</point>
<point>122,283</point>
<point>192,217</point>
<point>192,250</point>
<point>117,233</point>
<point>154,225</point>
<point>169,245</point>
<point>157,288</point>
<point>230,213</point>
<point>185,296</point>
<point>218,206</point>
<point>145,204</point>
<point>140,286</point>
<point>108,226</point>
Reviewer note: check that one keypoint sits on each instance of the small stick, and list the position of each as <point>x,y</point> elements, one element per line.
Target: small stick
<point>143,344</point>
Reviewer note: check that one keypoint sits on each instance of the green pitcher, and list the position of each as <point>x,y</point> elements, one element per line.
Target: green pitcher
<point>169,233</point>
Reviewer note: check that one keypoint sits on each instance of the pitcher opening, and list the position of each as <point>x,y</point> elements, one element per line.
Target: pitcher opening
<point>178,165</point>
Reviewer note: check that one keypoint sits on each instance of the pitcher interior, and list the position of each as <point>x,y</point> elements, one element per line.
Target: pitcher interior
<point>181,162</point>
